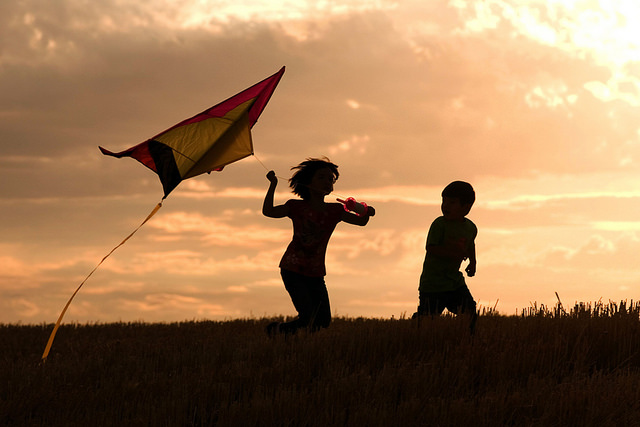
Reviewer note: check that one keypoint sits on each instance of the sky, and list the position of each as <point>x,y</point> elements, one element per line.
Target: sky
<point>535,103</point>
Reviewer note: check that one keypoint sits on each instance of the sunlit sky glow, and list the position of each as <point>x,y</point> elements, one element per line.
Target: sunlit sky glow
<point>533,102</point>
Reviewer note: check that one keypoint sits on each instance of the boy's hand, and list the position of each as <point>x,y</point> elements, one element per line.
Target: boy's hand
<point>371,211</point>
<point>271,176</point>
<point>471,269</point>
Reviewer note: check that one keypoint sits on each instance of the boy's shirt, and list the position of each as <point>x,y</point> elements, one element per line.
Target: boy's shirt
<point>442,274</point>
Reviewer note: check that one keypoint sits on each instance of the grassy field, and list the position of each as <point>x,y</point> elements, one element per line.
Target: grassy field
<point>545,367</point>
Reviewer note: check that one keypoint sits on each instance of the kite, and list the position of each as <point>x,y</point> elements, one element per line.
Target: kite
<point>207,141</point>
<point>203,143</point>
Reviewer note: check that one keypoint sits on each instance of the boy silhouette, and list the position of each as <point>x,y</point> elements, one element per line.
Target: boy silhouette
<point>451,240</point>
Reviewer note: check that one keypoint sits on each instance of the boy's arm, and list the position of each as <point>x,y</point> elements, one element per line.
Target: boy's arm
<point>471,268</point>
<point>268,209</point>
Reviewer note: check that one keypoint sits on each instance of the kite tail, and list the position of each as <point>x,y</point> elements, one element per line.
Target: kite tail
<point>64,310</point>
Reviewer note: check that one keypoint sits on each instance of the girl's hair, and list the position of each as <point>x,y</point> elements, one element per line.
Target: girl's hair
<point>301,179</point>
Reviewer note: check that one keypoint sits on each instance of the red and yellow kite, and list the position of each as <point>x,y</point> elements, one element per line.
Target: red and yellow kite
<point>206,142</point>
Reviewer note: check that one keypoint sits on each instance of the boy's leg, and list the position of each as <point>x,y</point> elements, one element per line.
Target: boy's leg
<point>431,304</point>
<point>461,301</point>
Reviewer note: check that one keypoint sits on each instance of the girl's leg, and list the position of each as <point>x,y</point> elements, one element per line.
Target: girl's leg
<point>311,300</point>
<point>321,317</point>
<point>298,289</point>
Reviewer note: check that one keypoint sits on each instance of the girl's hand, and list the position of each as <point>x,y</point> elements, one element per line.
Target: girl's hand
<point>271,176</point>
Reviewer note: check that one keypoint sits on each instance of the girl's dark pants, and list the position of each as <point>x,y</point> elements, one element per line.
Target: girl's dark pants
<point>310,298</point>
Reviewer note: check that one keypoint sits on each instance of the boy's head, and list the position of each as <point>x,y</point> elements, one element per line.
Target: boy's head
<point>457,199</point>
<point>303,179</point>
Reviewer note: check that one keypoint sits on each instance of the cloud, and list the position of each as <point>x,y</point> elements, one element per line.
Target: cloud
<point>24,308</point>
<point>534,103</point>
<point>173,302</point>
<point>356,145</point>
<point>408,116</point>
<point>598,254</point>
<point>12,266</point>
<point>216,230</point>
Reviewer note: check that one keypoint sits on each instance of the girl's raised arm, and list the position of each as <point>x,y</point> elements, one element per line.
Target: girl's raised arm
<point>268,209</point>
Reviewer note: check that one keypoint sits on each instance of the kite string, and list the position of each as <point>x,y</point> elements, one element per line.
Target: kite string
<point>266,168</point>
<point>64,310</point>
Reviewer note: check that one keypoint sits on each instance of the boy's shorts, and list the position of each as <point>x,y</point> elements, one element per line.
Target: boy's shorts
<point>458,301</point>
